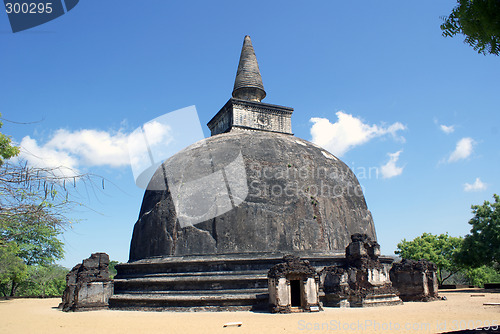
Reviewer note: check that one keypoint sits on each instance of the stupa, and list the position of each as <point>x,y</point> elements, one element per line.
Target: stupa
<point>220,213</point>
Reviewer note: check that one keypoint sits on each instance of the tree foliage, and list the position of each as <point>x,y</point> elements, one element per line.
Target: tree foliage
<point>479,21</point>
<point>13,270</point>
<point>482,245</point>
<point>476,257</point>
<point>30,243</point>
<point>37,242</point>
<point>7,150</point>
<point>44,281</point>
<point>480,275</point>
<point>440,249</point>
<point>112,269</point>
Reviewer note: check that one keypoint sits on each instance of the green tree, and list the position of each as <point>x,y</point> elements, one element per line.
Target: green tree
<point>32,243</point>
<point>37,243</point>
<point>13,270</point>
<point>479,21</point>
<point>112,269</point>
<point>440,249</point>
<point>34,206</point>
<point>479,276</point>
<point>44,281</point>
<point>29,220</point>
<point>482,245</point>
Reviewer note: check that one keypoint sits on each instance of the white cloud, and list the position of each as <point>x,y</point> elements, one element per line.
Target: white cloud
<point>348,132</point>
<point>93,147</point>
<point>478,185</point>
<point>390,169</point>
<point>62,163</point>
<point>463,150</point>
<point>69,150</point>
<point>447,128</point>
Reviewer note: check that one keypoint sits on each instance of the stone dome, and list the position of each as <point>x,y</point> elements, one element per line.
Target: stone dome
<point>247,192</point>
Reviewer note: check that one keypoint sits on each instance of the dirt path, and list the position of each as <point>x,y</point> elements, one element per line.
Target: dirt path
<point>462,309</point>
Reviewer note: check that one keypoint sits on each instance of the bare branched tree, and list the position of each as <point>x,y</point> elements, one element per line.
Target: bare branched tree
<point>31,195</point>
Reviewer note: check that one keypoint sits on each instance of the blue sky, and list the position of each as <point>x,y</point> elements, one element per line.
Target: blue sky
<point>373,82</point>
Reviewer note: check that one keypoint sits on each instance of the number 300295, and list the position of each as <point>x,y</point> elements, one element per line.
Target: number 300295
<point>28,8</point>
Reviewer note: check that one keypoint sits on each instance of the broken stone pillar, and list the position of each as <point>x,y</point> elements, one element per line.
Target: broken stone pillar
<point>88,286</point>
<point>362,281</point>
<point>415,280</point>
<point>293,286</point>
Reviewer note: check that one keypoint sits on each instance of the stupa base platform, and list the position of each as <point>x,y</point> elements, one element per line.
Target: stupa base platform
<point>228,282</point>
<point>202,283</point>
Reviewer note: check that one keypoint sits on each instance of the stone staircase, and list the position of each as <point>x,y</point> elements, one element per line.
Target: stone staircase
<point>193,283</point>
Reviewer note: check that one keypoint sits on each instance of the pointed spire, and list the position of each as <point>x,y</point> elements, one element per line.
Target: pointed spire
<point>248,84</point>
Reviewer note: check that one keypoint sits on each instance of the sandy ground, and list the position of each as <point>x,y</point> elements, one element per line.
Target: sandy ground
<point>463,309</point>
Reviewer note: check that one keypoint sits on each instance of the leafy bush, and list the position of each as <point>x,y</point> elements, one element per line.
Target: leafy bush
<point>44,281</point>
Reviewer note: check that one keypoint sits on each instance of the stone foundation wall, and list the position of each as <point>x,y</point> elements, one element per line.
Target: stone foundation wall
<point>415,280</point>
<point>88,286</point>
<point>362,281</point>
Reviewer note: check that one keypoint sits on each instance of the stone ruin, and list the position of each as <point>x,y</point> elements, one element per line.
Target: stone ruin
<point>293,286</point>
<point>362,280</point>
<point>88,286</point>
<point>415,280</point>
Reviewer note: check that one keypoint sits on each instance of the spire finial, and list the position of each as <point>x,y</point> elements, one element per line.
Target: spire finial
<point>248,84</point>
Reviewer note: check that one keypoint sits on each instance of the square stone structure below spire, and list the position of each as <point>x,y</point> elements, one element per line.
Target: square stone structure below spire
<point>250,115</point>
